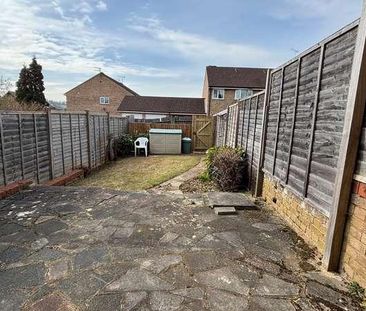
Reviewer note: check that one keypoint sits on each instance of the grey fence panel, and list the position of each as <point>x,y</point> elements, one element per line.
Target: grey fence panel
<point>241,126</point>
<point>310,102</point>
<point>43,147</point>
<point>285,120</point>
<point>12,147</point>
<point>334,85</point>
<point>305,110</point>
<point>232,126</point>
<point>57,144</point>
<point>302,130</point>
<point>32,146</point>
<point>220,130</point>
<point>245,124</point>
<point>272,120</point>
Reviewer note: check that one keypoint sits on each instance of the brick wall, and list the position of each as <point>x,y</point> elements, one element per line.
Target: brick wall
<point>306,221</point>
<point>86,96</point>
<point>353,262</point>
<point>217,105</point>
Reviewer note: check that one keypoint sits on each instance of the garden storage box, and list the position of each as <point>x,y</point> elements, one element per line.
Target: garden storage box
<point>165,141</point>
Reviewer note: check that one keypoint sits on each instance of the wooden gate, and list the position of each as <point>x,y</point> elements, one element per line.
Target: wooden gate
<point>203,132</point>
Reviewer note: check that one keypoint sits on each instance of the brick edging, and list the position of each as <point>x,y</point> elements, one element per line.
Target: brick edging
<point>359,188</point>
<point>66,179</point>
<point>13,188</point>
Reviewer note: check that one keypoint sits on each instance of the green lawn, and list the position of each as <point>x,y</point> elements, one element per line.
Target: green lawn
<point>140,173</point>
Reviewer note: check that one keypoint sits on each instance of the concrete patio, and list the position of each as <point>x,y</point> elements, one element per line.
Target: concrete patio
<point>67,248</point>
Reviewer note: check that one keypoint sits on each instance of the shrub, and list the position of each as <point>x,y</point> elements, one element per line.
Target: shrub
<point>227,167</point>
<point>204,177</point>
<point>123,145</point>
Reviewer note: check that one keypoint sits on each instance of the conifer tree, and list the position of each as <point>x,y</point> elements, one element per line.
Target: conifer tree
<point>30,85</point>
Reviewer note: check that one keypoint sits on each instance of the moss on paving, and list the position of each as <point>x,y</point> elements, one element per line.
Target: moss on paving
<point>140,173</point>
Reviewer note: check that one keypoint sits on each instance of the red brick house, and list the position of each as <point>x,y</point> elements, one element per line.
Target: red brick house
<point>99,93</point>
<point>223,86</point>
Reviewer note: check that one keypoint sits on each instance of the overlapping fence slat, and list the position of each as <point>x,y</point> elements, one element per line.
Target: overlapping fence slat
<point>305,109</point>
<point>313,89</point>
<point>137,128</point>
<point>241,126</point>
<point>41,146</point>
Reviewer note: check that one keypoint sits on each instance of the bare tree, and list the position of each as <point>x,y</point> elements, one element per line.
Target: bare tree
<point>5,85</point>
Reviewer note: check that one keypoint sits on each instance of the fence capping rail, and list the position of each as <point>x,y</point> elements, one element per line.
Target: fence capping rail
<point>348,152</point>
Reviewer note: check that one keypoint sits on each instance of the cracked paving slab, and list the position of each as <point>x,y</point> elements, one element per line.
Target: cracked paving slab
<point>96,249</point>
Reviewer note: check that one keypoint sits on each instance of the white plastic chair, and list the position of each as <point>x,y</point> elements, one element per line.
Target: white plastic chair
<point>141,143</point>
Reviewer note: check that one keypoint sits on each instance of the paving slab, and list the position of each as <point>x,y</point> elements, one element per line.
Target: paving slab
<point>237,200</point>
<point>223,279</point>
<point>21,277</point>
<point>105,302</point>
<point>265,304</point>
<point>162,301</point>
<point>133,300</point>
<point>225,210</point>
<point>139,280</point>
<point>97,249</point>
<point>54,301</point>
<point>274,286</point>
<point>223,301</point>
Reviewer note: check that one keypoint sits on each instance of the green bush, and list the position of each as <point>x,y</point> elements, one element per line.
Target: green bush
<point>227,167</point>
<point>124,145</point>
<point>204,176</point>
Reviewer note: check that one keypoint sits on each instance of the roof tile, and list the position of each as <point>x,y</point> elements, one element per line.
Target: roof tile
<point>157,104</point>
<point>236,77</point>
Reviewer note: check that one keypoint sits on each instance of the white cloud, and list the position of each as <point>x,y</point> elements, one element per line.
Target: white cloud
<point>101,6</point>
<point>66,44</point>
<point>201,49</point>
<point>83,7</point>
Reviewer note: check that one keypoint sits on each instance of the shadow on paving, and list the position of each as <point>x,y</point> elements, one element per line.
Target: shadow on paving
<point>67,248</point>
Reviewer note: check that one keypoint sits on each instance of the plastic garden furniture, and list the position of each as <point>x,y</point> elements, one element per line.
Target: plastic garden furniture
<point>141,143</point>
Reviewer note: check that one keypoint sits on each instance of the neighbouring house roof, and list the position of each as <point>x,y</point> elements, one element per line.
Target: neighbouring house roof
<point>162,105</point>
<point>236,77</point>
<point>108,77</point>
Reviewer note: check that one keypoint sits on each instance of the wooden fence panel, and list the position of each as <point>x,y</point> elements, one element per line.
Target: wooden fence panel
<point>307,99</point>
<point>272,120</point>
<point>302,129</point>
<point>43,147</point>
<point>220,130</point>
<point>245,124</point>
<point>338,57</point>
<point>310,101</point>
<point>285,121</point>
<point>38,145</point>
<point>137,128</point>
<point>232,125</point>
<point>10,128</point>
<point>241,125</point>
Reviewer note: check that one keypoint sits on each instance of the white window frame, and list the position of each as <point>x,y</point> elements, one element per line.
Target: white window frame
<point>104,100</point>
<point>249,92</point>
<point>215,96</point>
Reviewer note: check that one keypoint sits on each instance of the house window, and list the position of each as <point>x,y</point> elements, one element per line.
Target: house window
<point>104,100</point>
<point>242,93</point>
<point>218,94</point>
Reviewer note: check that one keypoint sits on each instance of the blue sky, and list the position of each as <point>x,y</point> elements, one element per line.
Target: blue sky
<point>159,47</point>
